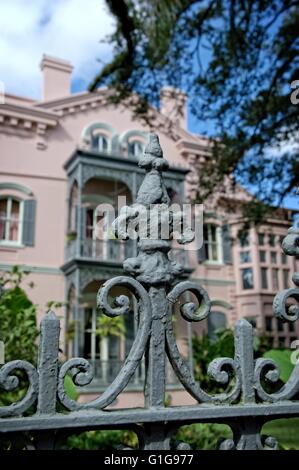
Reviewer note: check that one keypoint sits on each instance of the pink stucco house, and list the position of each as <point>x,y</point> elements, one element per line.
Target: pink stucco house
<point>65,154</point>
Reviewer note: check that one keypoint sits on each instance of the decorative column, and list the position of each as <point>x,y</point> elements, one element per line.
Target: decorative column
<point>79,239</point>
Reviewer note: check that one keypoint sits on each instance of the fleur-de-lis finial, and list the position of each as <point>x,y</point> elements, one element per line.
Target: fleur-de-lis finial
<point>153,189</point>
<point>151,211</point>
<point>153,147</point>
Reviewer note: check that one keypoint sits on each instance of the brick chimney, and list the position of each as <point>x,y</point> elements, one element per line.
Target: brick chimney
<point>171,101</point>
<point>56,76</point>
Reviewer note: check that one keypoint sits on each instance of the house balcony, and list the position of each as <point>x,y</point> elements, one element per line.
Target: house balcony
<point>100,250</point>
<point>106,371</point>
<point>114,251</point>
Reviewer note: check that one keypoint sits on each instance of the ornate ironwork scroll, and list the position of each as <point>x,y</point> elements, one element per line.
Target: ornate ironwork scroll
<point>245,402</point>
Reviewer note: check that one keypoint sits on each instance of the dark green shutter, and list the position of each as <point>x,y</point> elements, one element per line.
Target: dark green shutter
<point>227,244</point>
<point>29,215</point>
<point>201,254</point>
<point>216,322</point>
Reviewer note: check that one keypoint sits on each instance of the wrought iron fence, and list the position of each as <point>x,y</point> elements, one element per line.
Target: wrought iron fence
<point>45,415</point>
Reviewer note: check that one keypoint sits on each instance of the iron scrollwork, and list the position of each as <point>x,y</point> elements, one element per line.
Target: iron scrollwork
<point>245,404</point>
<point>286,312</point>
<point>10,383</point>
<point>83,373</point>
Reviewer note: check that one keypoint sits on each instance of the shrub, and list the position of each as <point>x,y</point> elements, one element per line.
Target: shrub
<point>102,440</point>
<point>203,436</point>
<point>17,319</point>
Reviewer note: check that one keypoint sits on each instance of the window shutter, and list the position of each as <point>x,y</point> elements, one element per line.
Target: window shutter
<point>226,244</point>
<point>29,222</point>
<point>216,321</point>
<point>201,254</point>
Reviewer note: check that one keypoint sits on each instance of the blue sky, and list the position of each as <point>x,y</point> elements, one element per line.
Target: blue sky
<point>70,29</point>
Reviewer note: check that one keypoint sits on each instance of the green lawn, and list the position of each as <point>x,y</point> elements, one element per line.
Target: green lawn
<point>286,432</point>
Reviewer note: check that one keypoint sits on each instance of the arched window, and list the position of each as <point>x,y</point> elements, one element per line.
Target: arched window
<point>99,143</point>
<point>100,137</point>
<point>136,148</point>
<point>212,243</point>
<point>11,214</point>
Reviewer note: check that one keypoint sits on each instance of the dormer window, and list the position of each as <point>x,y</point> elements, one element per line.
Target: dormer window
<point>136,148</point>
<point>99,143</point>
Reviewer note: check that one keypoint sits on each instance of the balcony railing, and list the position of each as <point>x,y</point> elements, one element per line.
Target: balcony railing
<point>106,371</point>
<point>101,250</point>
<point>114,251</point>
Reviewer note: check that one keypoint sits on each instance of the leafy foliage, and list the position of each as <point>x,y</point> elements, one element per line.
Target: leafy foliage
<point>205,436</point>
<point>236,61</point>
<point>286,431</point>
<point>205,350</point>
<point>101,440</point>
<point>18,329</point>
<point>70,388</point>
<point>282,357</point>
<point>199,436</point>
<point>107,326</point>
<point>202,436</point>
<point>17,319</point>
<point>208,436</point>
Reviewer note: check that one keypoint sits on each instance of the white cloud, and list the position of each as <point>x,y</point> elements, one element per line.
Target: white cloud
<point>69,29</point>
<point>283,147</point>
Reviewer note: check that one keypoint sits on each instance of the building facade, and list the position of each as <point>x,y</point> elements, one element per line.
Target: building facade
<point>62,157</point>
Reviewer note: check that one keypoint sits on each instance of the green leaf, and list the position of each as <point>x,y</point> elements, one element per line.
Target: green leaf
<point>282,357</point>
<point>70,388</point>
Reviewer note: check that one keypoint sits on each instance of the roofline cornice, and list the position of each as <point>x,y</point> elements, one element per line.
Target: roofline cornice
<point>85,99</point>
<point>29,113</point>
<point>77,99</point>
